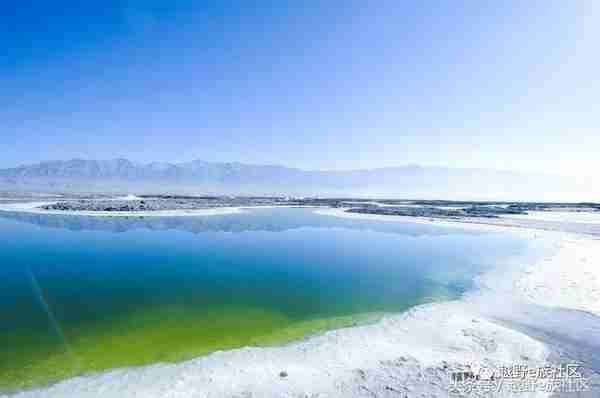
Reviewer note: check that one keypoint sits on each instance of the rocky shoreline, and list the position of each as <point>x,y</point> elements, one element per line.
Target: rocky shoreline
<point>436,212</point>
<point>167,202</point>
<point>430,209</point>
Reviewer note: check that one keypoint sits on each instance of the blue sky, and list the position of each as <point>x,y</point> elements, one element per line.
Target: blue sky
<point>311,84</point>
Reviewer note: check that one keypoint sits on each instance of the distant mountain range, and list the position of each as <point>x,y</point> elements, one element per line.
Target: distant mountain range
<point>200,177</point>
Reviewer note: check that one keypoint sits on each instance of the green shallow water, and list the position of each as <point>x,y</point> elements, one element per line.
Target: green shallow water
<point>83,294</point>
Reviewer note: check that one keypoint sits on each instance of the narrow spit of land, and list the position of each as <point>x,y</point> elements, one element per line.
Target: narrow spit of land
<point>438,209</point>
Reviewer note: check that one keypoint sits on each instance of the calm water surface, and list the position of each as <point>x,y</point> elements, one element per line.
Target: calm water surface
<point>81,294</point>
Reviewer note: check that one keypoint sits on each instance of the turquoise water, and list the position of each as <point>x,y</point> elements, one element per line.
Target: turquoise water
<point>81,294</point>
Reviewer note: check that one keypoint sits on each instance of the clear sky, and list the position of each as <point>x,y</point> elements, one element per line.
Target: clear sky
<point>310,84</point>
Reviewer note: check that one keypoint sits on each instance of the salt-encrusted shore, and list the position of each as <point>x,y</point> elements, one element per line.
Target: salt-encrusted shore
<point>534,314</point>
<point>36,208</point>
<point>559,221</point>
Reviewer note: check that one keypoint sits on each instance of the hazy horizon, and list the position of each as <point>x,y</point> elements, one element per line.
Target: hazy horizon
<point>210,178</point>
<point>233,161</point>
